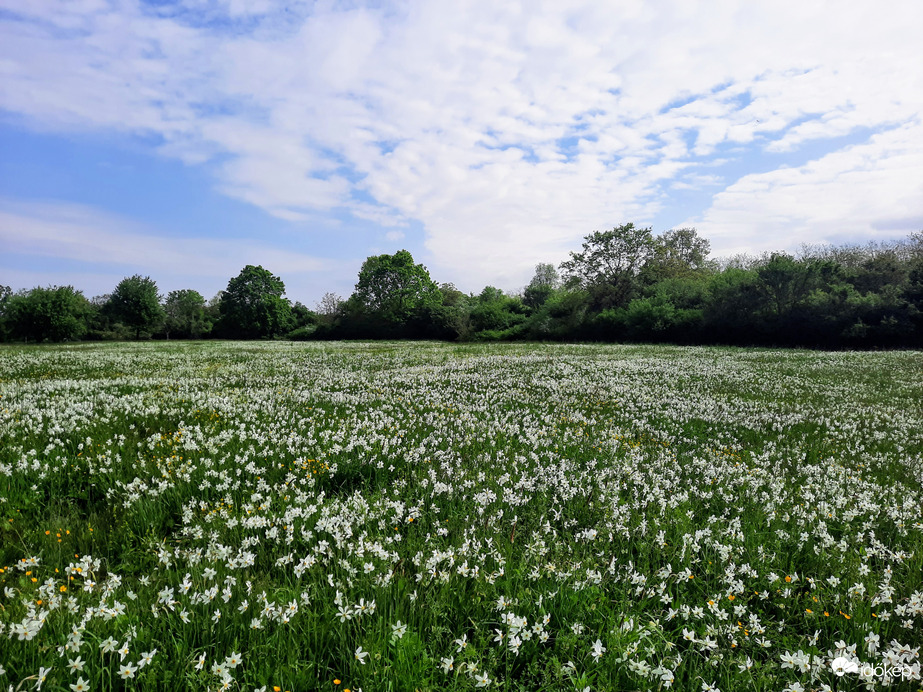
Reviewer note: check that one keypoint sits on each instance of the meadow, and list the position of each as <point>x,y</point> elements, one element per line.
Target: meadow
<point>422,516</point>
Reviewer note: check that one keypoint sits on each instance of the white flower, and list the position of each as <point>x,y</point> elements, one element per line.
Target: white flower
<point>482,680</point>
<point>398,630</point>
<point>499,637</point>
<point>81,685</point>
<point>361,655</point>
<point>514,643</point>
<point>799,660</point>
<point>812,640</point>
<point>127,671</point>
<point>665,675</point>
<point>640,667</point>
<point>598,650</point>
<point>201,662</point>
<point>448,664</point>
<point>108,646</point>
<point>40,678</point>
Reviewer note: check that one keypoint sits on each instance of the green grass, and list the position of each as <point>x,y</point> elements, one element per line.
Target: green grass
<point>698,512</point>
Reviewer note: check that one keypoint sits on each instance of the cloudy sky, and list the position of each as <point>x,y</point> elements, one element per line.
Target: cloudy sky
<point>183,140</point>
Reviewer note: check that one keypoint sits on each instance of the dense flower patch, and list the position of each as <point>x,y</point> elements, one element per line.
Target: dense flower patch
<point>430,516</point>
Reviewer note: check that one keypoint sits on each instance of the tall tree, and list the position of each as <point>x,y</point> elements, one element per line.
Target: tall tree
<point>677,253</point>
<point>57,313</point>
<point>394,289</point>
<point>5,293</point>
<point>253,306</point>
<point>329,306</point>
<point>543,283</point>
<point>786,282</point>
<point>185,314</point>
<point>609,263</point>
<point>136,303</point>
<point>494,311</point>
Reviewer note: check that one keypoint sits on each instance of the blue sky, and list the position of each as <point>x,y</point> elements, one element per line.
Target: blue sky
<point>183,140</point>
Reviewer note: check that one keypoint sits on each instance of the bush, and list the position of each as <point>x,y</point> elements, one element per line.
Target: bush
<point>305,333</point>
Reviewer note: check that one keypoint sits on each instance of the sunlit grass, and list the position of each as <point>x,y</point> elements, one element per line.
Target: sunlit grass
<point>433,516</point>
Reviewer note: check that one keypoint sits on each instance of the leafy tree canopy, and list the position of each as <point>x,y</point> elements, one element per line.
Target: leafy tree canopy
<point>186,315</point>
<point>57,313</point>
<point>136,303</point>
<point>395,289</point>
<point>493,310</point>
<point>677,253</point>
<point>609,263</point>
<point>253,305</point>
<point>543,284</point>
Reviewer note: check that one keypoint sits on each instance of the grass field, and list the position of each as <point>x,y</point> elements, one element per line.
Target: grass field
<point>423,516</point>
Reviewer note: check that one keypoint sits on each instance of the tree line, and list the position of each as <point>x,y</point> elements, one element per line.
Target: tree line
<point>623,284</point>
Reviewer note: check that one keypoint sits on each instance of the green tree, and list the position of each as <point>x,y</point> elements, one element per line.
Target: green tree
<point>303,316</point>
<point>609,264</point>
<point>329,307</point>
<point>732,306</point>
<point>253,306</point>
<point>913,296</point>
<point>57,313</point>
<point>5,294</point>
<point>136,303</point>
<point>561,316</point>
<point>786,282</point>
<point>543,284</point>
<point>677,253</point>
<point>186,315</point>
<point>453,318</point>
<point>496,315</point>
<point>880,270</point>
<point>304,323</point>
<point>213,310</point>
<point>393,289</point>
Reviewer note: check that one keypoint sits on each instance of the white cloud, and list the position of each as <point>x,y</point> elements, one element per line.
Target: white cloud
<point>453,114</point>
<point>866,191</point>
<point>86,235</point>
